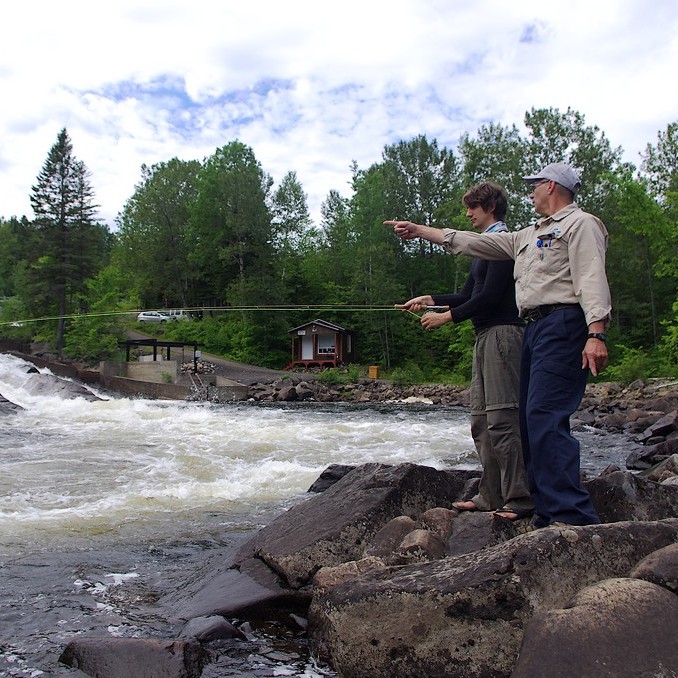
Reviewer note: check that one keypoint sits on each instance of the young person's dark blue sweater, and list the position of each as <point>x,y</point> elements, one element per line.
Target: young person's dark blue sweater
<point>488,296</point>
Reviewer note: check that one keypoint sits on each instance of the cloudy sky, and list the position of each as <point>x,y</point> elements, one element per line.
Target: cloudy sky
<point>311,85</point>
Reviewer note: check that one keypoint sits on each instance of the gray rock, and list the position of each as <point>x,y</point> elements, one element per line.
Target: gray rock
<point>624,496</point>
<point>213,627</point>
<point>329,577</point>
<point>666,468</point>
<point>8,407</point>
<point>651,455</point>
<point>660,428</point>
<point>246,590</point>
<point>617,628</point>
<point>421,545</point>
<point>439,520</point>
<point>474,530</point>
<point>330,476</point>
<point>137,657</point>
<point>660,567</point>
<point>389,537</point>
<point>464,616</point>
<point>337,525</point>
<point>287,394</point>
<point>48,385</point>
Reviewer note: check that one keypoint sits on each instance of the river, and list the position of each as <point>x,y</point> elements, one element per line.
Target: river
<point>106,505</point>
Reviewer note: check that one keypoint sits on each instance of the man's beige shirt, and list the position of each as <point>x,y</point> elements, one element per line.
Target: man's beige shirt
<point>559,260</point>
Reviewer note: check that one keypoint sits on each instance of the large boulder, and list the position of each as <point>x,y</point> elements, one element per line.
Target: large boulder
<point>621,495</point>
<point>8,407</point>
<point>660,567</point>
<point>617,628</point>
<point>49,385</point>
<point>248,590</point>
<point>464,616</point>
<point>337,525</point>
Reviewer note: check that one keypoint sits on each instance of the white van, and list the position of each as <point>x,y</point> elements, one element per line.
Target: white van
<point>177,314</point>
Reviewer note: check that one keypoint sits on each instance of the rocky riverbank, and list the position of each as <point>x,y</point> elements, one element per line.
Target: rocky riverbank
<point>389,580</point>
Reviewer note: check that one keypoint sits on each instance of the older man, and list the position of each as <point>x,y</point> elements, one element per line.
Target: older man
<point>563,295</point>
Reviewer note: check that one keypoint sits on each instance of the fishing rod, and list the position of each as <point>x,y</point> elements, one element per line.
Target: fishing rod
<point>201,309</point>
<point>435,309</point>
<point>348,308</point>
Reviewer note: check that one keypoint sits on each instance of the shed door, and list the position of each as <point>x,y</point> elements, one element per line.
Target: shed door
<point>307,347</point>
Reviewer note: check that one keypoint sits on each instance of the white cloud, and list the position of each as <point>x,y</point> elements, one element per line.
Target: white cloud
<point>312,86</point>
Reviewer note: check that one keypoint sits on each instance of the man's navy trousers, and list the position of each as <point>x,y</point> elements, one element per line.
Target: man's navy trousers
<point>552,384</point>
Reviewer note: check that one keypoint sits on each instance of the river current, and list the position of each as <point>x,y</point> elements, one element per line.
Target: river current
<point>106,505</point>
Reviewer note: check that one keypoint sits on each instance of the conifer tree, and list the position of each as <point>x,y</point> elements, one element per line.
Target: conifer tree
<point>69,242</point>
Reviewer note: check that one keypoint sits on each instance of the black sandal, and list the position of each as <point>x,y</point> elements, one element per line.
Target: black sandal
<point>518,513</point>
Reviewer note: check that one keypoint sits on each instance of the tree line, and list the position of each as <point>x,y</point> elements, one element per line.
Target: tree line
<point>218,233</point>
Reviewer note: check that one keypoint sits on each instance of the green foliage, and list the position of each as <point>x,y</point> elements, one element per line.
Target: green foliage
<point>407,375</point>
<point>69,245</point>
<point>216,232</point>
<point>660,163</point>
<point>247,337</point>
<point>333,376</point>
<point>460,350</point>
<point>634,364</point>
<point>96,335</point>
<point>12,313</point>
<point>499,154</point>
<point>669,347</point>
<point>153,242</point>
<point>231,227</point>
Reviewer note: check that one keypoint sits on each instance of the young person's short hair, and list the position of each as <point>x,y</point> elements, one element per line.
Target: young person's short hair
<point>488,195</point>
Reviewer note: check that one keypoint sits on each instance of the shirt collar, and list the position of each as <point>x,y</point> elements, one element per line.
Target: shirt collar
<point>559,215</point>
<point>496,227</point>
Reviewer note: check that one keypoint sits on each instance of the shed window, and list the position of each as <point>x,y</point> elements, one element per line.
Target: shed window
<point>325,344</point>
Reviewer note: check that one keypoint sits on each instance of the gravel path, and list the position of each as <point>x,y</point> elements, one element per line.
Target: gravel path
<point>243,374</point>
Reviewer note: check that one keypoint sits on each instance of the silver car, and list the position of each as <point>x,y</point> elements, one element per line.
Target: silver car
<point>152,317</point>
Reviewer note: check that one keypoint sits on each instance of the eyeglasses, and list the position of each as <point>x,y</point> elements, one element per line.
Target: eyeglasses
<point>533,186</point>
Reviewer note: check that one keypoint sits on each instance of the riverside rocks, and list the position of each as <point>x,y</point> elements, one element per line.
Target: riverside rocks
<point>135,657</point>
<point>609,614</point>
<point>394,583</point>
<point>8,407</point>
<point>51,385</point>
<point>465,615</point>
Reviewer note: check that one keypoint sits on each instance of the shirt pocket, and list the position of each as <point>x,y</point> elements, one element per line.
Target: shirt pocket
<point>551,251</point>
<point>522,261</point>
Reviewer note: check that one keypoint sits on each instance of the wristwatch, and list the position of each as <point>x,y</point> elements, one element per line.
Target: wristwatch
<point>597,335</point>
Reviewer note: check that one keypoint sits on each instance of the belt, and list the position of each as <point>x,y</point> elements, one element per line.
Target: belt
<point>542,311</point>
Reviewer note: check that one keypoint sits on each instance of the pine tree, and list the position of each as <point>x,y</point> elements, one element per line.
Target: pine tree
<point>69,241</point>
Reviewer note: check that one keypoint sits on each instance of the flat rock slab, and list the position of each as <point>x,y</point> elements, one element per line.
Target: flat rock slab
<point>135,657</point>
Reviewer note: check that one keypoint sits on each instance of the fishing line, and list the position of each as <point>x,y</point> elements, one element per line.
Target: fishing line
<point>354,308</point>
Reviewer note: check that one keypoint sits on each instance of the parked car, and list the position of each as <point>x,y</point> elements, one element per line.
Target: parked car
<point>177,314</point>
<point>152,317</point>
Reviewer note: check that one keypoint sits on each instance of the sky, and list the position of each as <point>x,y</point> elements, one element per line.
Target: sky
<point>314,86</point>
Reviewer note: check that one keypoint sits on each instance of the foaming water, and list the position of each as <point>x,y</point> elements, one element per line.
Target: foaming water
<point>70,464</point>
<point>104,503</point>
